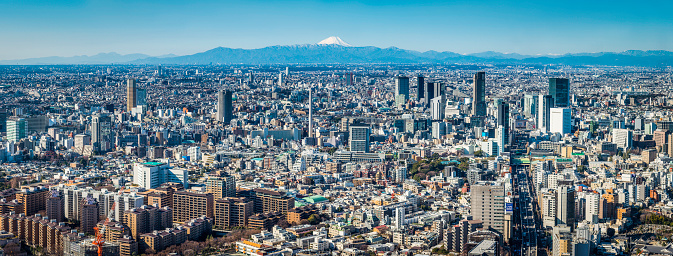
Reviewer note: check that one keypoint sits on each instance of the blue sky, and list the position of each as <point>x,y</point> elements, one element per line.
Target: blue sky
<point>37,28</point>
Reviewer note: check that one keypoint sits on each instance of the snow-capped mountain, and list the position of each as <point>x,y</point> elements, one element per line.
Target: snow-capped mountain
<point>334,40</point>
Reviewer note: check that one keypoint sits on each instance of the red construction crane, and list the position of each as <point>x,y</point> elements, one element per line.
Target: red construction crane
<point>99,241</point>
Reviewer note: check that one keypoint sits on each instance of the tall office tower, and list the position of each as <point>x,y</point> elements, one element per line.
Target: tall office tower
<point>221,187</point>
<point>401,90</point>
<point>251,77</point>
<point>131,94</point>
<point>623,138</point>
<point>429,94</point>
<point>225,106</point>
<point>310,113</point>
<point>287,71</point>
<point>544,102</point>
<point>101,132</point>
<point>55,206</point>
<point>188,206</point>
<point>501,136</point>
<point>17,129</point>
<point>141,97</point>
<point>479,94</point>
<point>233,212</point>
<point>438,107</point>
<point>488,204</point>
<point>359,138</point>
<point>503,120</point>
<point>440,129</point>
<point>420,93</point>
<point>565,206</point>
<point>3,121</point>
<point>280,79</point>
<point>530,105</point>
<point>399,218</point>
<point>88,215</point>
<point>560,120</point>
<point>559,89</point>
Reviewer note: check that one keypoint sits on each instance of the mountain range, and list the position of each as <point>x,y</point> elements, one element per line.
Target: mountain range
<point>333,50</point>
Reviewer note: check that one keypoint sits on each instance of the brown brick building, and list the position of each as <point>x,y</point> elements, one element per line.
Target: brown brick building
<point>33,199</point>
<point>232,212</point>
<point>295,215</point>
<point>189,205</point>
<point>264,221</point>
<point>268,200</point>
<point>36,231</point>
<point>146,219</point>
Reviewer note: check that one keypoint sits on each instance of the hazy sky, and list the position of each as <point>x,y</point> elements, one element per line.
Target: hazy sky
<point>35,28</point>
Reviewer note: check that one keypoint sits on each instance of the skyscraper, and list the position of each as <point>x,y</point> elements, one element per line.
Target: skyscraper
<point>101,132</point>
<point>359,138</point>
<point>420,93</point>
<point>141,97</point>
<point>565,206</point>
<point>503,120</point>
<point>224,106</point>
<point>438,107</point>
<point>131,94</point>
<point>479,94</point>
<point>429,94</point>
<point>399,218</point>
<point>530,105</point>
<point>544,103</point>
<point>310,113</point>
<point>17,129</point>
<point>559,89</point>
<point>401,90</point>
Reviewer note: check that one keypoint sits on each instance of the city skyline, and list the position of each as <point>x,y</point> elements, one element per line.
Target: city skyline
<point>71,28</point>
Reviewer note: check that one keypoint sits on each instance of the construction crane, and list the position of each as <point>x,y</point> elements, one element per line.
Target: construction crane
<point>99,241</point>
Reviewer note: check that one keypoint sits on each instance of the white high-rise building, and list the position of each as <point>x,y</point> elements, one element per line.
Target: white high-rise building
<point>500,137</point>
<point>592,205</point>
<point>399,218</point>
<point>150,175</point>
<point>623,138</point>
<point>545,102</point>
<point>438,107</point>
<point>560,120</point>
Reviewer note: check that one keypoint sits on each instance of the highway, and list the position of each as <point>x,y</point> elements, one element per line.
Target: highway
<point>527,225</point>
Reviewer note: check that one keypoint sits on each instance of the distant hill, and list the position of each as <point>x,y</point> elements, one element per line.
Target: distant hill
<point>335,51</point>
<point>338,54</point>
<point>101,58</point>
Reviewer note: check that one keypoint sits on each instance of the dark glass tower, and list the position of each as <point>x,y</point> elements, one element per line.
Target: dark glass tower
<point>479,94</point>
<point>559,89</point>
